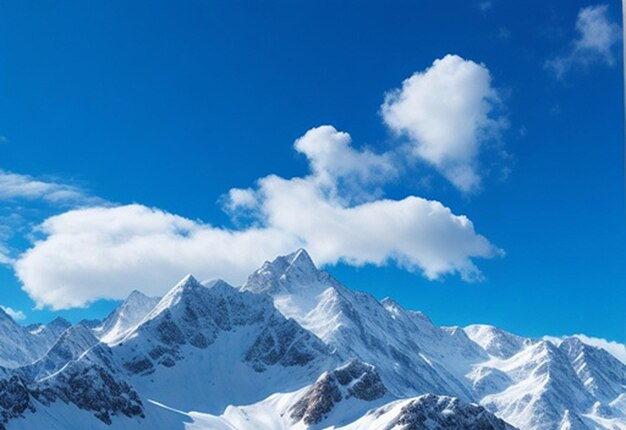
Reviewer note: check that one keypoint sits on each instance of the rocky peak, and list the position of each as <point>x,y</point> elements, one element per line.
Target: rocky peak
<point>289,274</point>
<point>59,322</point>
<point>354,379</point>
<point>187,283</point>
<point>300,261</point>
<point>130,313</point>
<point>442,412</point>
<point>601,373</point>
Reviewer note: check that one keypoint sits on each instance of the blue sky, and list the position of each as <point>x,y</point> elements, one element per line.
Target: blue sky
<point>106,104</point>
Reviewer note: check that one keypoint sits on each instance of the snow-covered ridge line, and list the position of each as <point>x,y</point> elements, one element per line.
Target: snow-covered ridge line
<point>293,348</point>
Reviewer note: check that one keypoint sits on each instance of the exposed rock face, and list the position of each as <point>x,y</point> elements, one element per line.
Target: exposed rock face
<point>87,386</point>
<point>357,325</point>
<point>92,388</point>
<point>283,342</point>
<point>361,379</point>
<point>194,314</point>
<point>354,379</point>
<point>441,413</point>
<point>15,400</point>
<point>318,401</point>
<point>251,357</point>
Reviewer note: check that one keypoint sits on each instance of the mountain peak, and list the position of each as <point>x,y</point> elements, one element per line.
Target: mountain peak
<point>136,294</point>
<point>138,299</point>
<point>126,316</point>
<point>301,258</point>
<point>217,283</point>
<point>187,281</point>
<point>298,260</point>
<point>288,273</point>
<point>59,322</point>
<point>186,290</point>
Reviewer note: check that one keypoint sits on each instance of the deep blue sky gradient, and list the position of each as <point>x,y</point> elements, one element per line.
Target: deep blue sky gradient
<point>170,104</point>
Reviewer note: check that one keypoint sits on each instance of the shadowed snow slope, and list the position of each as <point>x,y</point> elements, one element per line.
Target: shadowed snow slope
<point>292,348</point>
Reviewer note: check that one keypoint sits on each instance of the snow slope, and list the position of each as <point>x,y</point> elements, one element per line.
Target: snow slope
<point>292,349</point>
<point>23,345</point>
<point>125,317</point>
<point>356,325</point>
<point>201,340</point>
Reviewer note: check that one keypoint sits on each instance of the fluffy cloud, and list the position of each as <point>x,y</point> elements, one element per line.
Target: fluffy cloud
<point>596,37</point>
<point>335,163</point>
<point>16,186</point>
<point>336,211</point>
<point>16,315</point>
<point>105,252</point>
<point>448,112</point>
<point>415,233</point>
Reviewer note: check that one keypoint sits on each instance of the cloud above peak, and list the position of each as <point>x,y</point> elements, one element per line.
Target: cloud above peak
<point>334,161</point>
<point>105,252</point>
<point>336,210</point>
<point>447,112</point>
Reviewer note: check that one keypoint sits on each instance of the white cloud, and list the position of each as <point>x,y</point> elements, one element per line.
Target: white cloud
<point>16,315</point>
<point>617,349</point>
<point>16,186</point>
<point>448,112</point>
<point>596,37</point>
<point>335,163</point>
<point>240,198</point>
<point>105,252</point>
<point>415,233</point>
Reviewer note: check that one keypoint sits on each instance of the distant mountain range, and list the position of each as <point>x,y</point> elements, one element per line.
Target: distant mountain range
<point>293,348</point>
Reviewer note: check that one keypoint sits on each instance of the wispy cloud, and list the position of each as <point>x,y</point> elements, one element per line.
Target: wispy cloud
<point>5,256</point>
<point>485,5</point>
<point>26,200</point>
<point>16,315</point>
<point>14,186</point>
<point>594,43</point>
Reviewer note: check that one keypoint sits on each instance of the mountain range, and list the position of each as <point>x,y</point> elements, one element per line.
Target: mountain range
<point>293,348</point>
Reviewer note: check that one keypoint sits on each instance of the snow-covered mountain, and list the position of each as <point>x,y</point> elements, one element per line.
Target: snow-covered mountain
<point>125,317</point>
<point>292,348</point>
<point>201,340</point>
<point>355,324</point>
<point>531,383</point>
<point>24,345</point>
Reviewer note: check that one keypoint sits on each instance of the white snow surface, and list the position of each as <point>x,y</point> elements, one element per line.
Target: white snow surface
<point>212,356</point>
<point>125,317</point>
